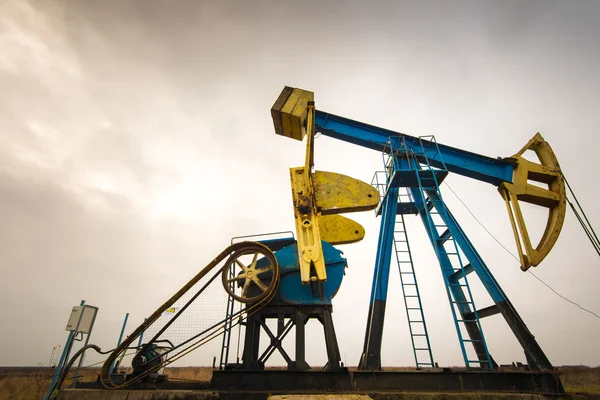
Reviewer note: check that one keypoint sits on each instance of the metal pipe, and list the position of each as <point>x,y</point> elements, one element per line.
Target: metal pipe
<point>112,367</point>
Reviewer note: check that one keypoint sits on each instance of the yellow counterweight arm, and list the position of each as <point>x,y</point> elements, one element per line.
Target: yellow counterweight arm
<point>318,196</point>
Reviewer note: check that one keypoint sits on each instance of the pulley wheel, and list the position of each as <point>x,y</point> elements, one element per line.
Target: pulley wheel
<point>251,273</point>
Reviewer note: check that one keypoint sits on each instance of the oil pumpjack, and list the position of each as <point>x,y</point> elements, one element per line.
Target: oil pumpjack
<point>294,279</point>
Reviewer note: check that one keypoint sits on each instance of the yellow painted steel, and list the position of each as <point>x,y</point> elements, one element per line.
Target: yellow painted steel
<point>290,112</point>
<point>336,229</point>
<point>337,193</point>
<point>306,217</point>
<point>318,196</point>
<point>276,109</point>
<point>553,197</point>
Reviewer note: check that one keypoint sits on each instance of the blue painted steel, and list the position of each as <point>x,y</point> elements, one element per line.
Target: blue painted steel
<point>384,246</point>
<point>141,336</point>
<point>456,295</point>
<point>292,291</point>
<point>479,267</point>
<point>112,367</point>
<point>412,297</point>
<point>63,357</point>
<point>487,169</point>
<point>427,197</point>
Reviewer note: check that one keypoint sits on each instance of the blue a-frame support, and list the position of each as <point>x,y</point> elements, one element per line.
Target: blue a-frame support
<point>374,334</point>
<point>427,196</point>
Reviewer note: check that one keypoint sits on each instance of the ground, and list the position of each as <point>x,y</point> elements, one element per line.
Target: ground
<point>31,383</point>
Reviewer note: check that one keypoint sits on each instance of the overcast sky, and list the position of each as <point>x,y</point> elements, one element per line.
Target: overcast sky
<point>136,140</point>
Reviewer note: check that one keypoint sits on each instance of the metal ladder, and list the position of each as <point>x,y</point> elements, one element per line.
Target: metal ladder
<point>464,312</point>
<point>410,289</point>
<point>412,297</point>
<point>224,359</point>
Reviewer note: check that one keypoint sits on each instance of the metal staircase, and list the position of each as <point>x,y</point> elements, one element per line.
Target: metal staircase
<point>434,213</point>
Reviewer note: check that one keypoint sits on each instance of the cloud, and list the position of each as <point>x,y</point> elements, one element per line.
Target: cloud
<point>136,141</point>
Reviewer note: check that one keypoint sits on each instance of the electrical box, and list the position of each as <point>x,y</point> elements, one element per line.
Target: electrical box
<point>82,319</point>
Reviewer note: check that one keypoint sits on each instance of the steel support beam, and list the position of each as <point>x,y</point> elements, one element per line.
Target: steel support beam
<point>476,166</point>
<point>371,355</point>
<point>536,357</point>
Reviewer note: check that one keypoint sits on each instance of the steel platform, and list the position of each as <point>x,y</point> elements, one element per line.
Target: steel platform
<point>259,385</point>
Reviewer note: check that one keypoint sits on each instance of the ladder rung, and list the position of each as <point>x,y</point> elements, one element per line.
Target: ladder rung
<point>473,340</point>
<point>466,320</point>
<point>419,334</point>
<point>413,308</point>
<point>411,295</point>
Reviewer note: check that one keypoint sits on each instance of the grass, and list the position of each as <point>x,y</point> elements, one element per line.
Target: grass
<point>591,389</point>
<point>580,379</point>
<point>32,383</point>
<point>25,386</point>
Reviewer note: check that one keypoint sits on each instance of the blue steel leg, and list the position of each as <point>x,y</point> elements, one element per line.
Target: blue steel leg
<point>112,367</point>
<point>461,300</point>
<point>535,355</point>
<point>371,356</point>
